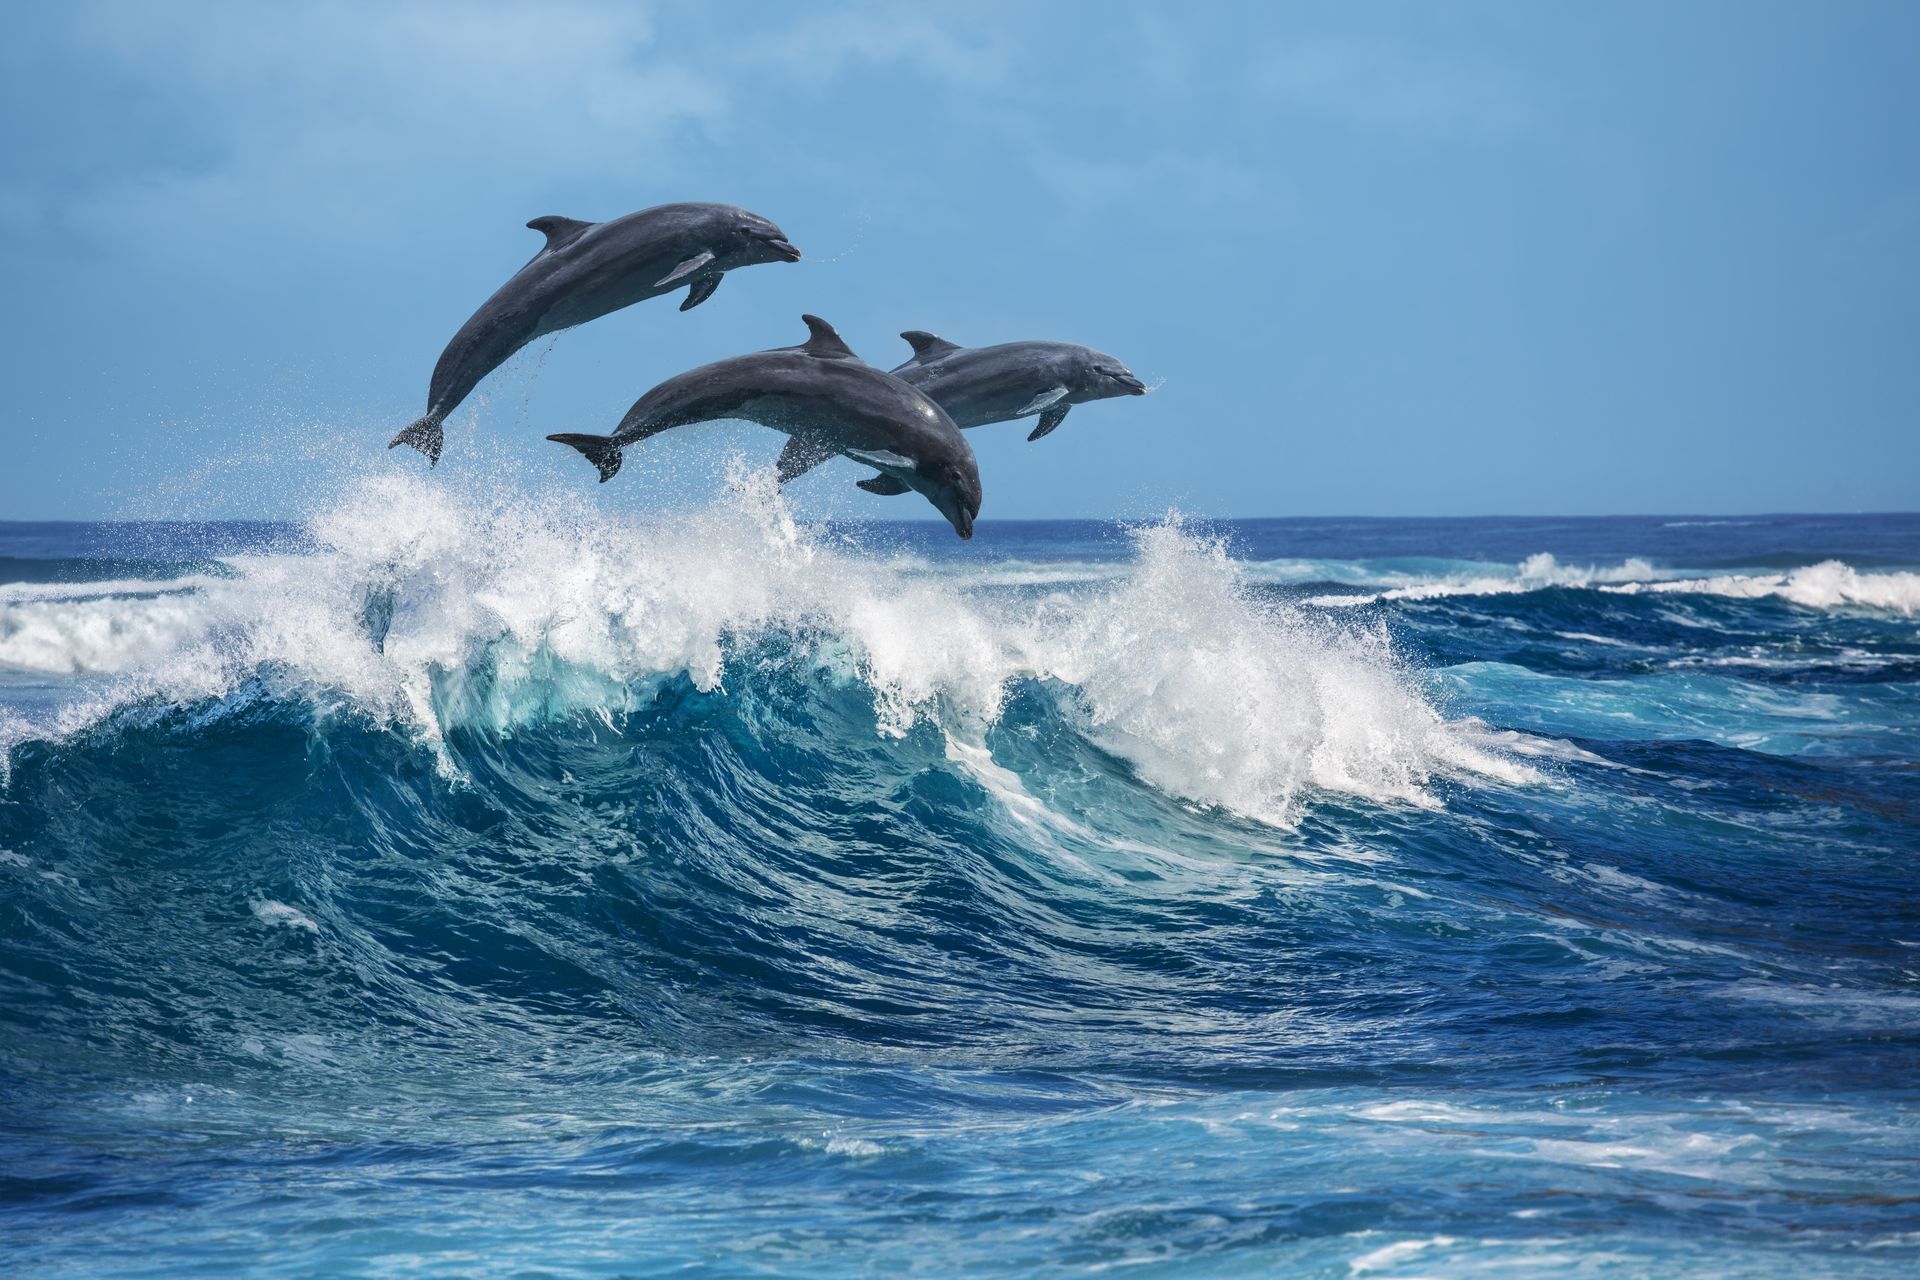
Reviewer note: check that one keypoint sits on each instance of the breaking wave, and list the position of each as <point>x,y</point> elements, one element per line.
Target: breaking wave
<point>430,613</point>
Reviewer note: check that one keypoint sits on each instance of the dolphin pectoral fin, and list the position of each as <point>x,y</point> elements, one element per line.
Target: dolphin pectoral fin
<point>798,458</point>
<point>601,451</point>
<point>423,434</point>
<point>685,269</point>
<point>700,290</point>
<point>1041,401</point>
<point>1049,420</point>
<point>884,485</point>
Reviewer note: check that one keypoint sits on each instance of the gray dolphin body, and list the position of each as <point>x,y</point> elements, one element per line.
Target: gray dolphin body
<point>978,385</point>
<point>588,270</point>
<point>821,393</point>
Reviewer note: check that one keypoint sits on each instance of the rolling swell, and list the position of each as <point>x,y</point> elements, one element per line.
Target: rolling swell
<point>760,869</point>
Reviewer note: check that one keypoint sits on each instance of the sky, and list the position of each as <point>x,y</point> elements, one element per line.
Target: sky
<point>1377,258</point>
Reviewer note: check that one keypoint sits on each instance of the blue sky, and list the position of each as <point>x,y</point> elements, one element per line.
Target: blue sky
<point>1382,258</point>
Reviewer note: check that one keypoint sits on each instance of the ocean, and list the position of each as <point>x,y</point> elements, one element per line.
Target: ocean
<point>445,885</point>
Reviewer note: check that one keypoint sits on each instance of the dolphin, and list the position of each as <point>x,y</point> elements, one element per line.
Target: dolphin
<point>587,270</point>
<point>824,394</point>
<point>978,385</point>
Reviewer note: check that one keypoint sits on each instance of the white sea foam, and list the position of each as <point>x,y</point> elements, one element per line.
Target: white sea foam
<point>1397,1254</point>
<point>103,634</point>
<point>1827,585</point>
<point>1014,573</point>
<point>1535,573</point>
<point>269,912</point>
<point>428,609</point>
<point>16,592</point>
<point>1215,696</point>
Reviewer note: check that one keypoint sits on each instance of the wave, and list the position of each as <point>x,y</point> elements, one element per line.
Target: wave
<point>1536,573</point>
<point>1827,585</point>
<point>429,613</point>
<point>1830,584</point>
<point>105,635</point>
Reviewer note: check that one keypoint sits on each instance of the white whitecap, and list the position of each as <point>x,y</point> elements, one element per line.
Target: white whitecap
<point>269,912</point>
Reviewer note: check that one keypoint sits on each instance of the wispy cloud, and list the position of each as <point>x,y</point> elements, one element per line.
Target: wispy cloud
<point>300,112</point>
<point>292,115</point>
<point>817,47</point>
<point>1388,86</point>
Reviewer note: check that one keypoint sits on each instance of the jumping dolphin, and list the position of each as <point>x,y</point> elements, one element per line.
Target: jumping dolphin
<point>588,270</point>
<point>822,393</point>
<point>978,385</point>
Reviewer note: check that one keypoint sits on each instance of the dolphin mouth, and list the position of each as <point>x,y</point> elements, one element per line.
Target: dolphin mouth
<point>782,246</point>
<point>1134,386</point>
<point>963,525</point>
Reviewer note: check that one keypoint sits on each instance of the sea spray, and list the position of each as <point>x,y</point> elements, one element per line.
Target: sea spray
<point>433,611</point>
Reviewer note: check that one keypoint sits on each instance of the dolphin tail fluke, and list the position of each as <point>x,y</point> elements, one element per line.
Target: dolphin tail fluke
<point>424,435</point>
<point>601,451</point>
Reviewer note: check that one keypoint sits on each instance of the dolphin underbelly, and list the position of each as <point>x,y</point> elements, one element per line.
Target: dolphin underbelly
<point>616,291</point>
<point>975,401</point>
<point>821,421</point>
<point>996,405</point>
<point>484,344</point>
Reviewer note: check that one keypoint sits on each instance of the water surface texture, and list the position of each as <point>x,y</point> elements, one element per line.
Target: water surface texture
<point>455,887</point>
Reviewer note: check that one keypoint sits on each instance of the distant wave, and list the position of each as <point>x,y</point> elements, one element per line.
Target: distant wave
<point>1535,573</point>
<point>1828,585</point>
<point>90,631</point>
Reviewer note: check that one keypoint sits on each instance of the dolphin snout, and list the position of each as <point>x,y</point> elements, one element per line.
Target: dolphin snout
<point>782,246</point>
<point>959,516</point>
<point>1134,386</point>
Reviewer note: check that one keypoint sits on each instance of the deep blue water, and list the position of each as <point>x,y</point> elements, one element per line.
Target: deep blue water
<point>439,888</point>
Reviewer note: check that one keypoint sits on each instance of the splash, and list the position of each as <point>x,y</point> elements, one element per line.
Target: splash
<point>429,611</point>
<point>1219,697</point>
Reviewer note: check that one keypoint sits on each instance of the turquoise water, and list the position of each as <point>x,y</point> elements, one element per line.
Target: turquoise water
<point>437,888</point>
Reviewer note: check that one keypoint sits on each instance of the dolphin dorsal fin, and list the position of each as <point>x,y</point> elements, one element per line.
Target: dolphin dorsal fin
<point>824,342</point>
<point>926,346</point>
<point>558,230</point>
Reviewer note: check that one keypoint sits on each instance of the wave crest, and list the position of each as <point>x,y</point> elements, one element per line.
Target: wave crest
<point>1830,584</point>
<point>431,611</point>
